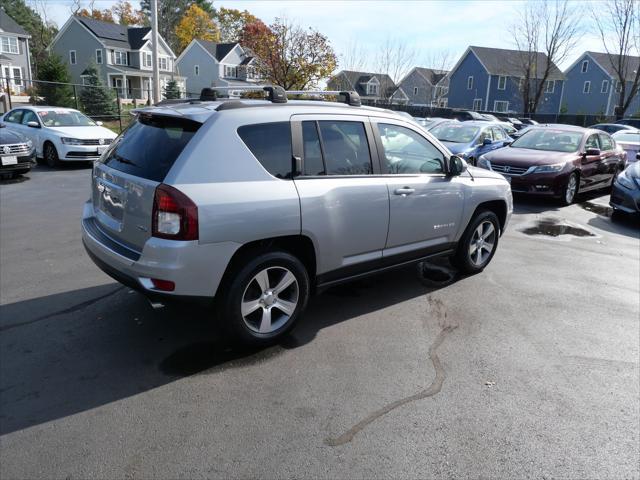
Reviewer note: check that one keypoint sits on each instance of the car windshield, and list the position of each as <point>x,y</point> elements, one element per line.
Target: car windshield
<point>64,118</point>
<point>549,140</point>
<point>455,133</point>
<point>627,137</point>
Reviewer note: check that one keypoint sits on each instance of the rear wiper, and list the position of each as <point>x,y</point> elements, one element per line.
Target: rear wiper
<point>124,160</point>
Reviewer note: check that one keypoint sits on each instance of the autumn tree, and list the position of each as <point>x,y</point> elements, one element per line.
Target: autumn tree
<point>545,33</point>
<point>618,23</point>
<point>97,14</point>
<point>127,15</point>
<point>170,12</point>
<point>289,55</point>
<point>232,22</point>
<point>196,23</point>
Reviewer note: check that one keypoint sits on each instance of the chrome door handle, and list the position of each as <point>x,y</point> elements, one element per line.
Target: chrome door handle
<point>404,191</point>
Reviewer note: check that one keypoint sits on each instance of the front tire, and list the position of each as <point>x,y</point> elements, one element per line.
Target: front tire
<point>263,298</point>
<point>570,190</point>
<point>478,243</point>
<point>51,155</point>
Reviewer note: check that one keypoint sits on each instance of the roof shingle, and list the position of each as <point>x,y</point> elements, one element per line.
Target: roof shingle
<point>607,61</point>
<point>9,25</point>
<point>500,61</point>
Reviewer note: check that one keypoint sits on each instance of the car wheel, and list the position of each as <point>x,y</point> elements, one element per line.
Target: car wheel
<point>570,190</point>
<point>478,243</point>
<point>264,298</point>
<point>51,155</point>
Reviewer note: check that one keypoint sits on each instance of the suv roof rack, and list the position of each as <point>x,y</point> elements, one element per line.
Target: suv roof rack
<point>276,94</point>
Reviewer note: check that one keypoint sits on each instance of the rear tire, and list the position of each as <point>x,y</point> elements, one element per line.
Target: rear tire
<point>51,155</point>
<point>263,298</point>
<point>478,243</point>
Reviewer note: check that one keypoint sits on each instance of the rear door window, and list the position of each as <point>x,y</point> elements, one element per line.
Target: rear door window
<point>270,143</point>
<point>150,146</point>
<point>345,148</point>
<point>311,149</point>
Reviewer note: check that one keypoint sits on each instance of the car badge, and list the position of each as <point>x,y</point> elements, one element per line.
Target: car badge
<point>507,168</point>
<point>6,150</point>
<point>101,141</point>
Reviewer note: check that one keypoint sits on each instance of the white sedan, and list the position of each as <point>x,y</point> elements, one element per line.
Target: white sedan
<point>60,134</point>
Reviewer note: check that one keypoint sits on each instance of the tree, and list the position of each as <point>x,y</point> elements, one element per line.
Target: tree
<point>172,90</point>
<point>232,22</point>
<point>170,12</point>
<point>196,23</point>
<point>53,69</point>
<point>36,24</point>
<point>127,15</point>
<point>288,55</point>
<point>103,15</point>
<point>618,23</point>
<point>96,99</point>
<point>545,33</point>
<point>440,61</point>
<point>395,58</point>
<point>354,57</point>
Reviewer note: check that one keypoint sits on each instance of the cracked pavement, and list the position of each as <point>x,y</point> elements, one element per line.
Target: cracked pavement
<point>536,375</point>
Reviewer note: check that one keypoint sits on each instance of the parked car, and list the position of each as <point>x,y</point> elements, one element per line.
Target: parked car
<point>489,117</point>
<point>634,122</point>
<point>172,216</point>
<point>60,134</point>
<point>517,124</point>
<point>629,141</point>
<point>467,115</point>
<point>611,128</point>
<point>469,140</point>
<point>432,122</point>
<point>559,161</point>
<point>528,121</point>
<point>508,128</point>
<point>17,154</point>
<point>625,193</point>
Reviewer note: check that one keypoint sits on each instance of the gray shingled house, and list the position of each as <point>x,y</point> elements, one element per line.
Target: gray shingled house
<point>372,87</point>
<point>421,87</point>
<point>15,61</point>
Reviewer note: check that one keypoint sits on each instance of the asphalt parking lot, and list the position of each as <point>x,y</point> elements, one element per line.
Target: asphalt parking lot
<point>530,369</point>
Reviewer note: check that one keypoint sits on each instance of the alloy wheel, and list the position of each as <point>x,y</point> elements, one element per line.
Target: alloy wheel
<point>572,186</point>
<point>269,300</point>
<point>483,242</point>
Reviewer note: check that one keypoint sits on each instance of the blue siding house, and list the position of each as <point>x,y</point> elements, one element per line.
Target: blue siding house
<point>592,85</point>
<point>490,80</point>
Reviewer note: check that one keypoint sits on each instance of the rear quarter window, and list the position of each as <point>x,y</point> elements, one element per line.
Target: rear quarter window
<point>270,143</point>
<point>150,146</point>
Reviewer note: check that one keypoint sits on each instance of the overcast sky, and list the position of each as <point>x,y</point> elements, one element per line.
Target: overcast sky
<point>426,26</point>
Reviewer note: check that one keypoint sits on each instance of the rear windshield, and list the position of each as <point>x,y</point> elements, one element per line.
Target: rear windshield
<point>150,146</point>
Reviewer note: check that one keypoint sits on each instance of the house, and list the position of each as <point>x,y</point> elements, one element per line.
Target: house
<point>421,87</point>
<point>593,87</point>
<point>491,79</point>
<point>209,64</point>
<point>372,87</point>
<point>121,53</point>
<point>15,60</point>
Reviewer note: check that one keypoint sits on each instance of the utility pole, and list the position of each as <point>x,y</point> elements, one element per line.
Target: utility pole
<point>154,50</point>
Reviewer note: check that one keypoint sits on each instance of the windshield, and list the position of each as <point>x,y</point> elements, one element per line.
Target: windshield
<point>627,137</point>
<point>549,140</point>
<point>456,133</point>
<point>64,118</point>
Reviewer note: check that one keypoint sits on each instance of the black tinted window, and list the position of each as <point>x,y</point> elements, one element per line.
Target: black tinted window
<point>271,145</point>
<point>346,150</point>
<point>312,152</point>
<point>150,146</point>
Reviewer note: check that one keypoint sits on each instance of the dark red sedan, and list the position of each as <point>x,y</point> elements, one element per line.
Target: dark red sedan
<point>559,161</point>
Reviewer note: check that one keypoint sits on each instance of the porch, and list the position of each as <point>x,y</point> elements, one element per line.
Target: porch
<point>140,86</point>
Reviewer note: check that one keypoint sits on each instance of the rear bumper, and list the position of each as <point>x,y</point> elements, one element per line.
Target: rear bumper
<point>625,199</point>
<point>195,269</point>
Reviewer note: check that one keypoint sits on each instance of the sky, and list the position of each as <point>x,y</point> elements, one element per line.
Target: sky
<point>427,27</point>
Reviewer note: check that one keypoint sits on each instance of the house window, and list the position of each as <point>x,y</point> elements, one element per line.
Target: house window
<point>587,87</point>
<point>500,106</point>
<point>17,76</point>
<point>618,86</point>
<point>196,70</point>
<point>230,71</point>
<point>605,86</point>
<point>584,67</point>
<point>119,58</point>
<point>477,104</point>
<point>163,63</point>
<point>251,72</point>
<point>372,89</point>
<point>549,86</point>
<point>9,45</point>
<point>415,90</point>
<point>521,84</point>
<point>72,57</point>
<point>98,56</point>
<point>469,82</point>
<point>502,83</point>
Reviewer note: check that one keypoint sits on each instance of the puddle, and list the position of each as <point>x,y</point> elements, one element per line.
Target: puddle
<point>552,228</point>
<point>198,357</point>
<point>603,210</point>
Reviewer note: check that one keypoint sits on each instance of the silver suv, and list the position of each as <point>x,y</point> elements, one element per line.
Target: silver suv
<point>257,203</point>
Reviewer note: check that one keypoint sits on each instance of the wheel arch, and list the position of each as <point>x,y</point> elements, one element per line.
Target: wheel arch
<point>499,207</point>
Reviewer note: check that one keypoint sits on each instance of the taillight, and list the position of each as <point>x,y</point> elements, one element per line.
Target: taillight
<point>175,216</point>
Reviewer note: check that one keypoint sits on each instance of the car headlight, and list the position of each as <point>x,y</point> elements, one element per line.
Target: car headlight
<point>71,141</point>
<point>556,167</point>
<point>628,182</point>
<point>484,163</point>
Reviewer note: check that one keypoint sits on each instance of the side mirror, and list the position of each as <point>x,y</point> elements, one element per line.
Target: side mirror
<point>457,166</point>
<point>99,123</point>
<point>592,152</point>
<point>487,141</point>
<point>33,124</point>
